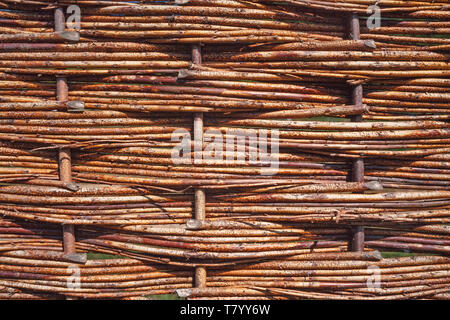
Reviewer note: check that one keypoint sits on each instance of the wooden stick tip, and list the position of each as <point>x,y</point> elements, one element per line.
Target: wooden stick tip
<point>183,73</point>
<point>183,293</point>
<point>75,106</point>
<point>374,185</point>
<point>69,35</point>
<point>370,44</point>
<point>72,187</point>
<point>77,257</point>
<point>194,224</point>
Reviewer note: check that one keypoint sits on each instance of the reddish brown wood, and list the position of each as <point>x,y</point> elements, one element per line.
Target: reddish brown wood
<point>357,169</point>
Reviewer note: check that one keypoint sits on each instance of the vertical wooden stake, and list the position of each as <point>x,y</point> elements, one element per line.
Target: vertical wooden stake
<point>200,198</point>
<point>358,239</point>
<point>65,175</point>
<point>65,156</point>
<point>200,202</point>
<point>357,169</point>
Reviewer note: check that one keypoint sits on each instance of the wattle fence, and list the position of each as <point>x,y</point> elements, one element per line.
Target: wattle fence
<point>224,149</point>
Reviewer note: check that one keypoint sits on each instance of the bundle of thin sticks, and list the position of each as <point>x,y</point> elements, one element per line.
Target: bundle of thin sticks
<point>274,86</point>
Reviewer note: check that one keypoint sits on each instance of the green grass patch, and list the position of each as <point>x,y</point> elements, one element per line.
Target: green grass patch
<point>326,119</point>
<point>396,254</point>
<point>103,256</point>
